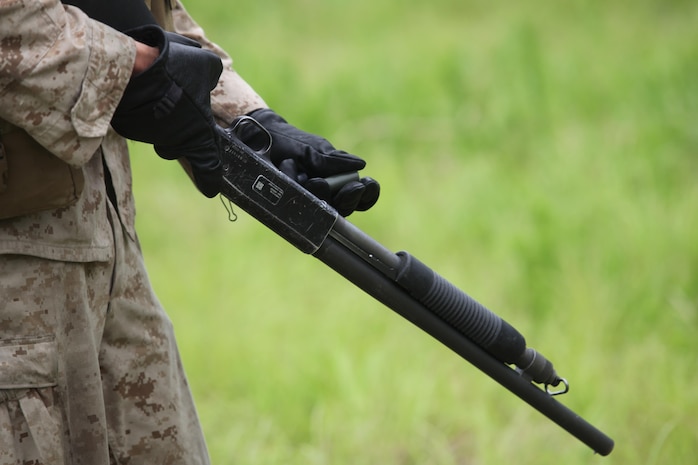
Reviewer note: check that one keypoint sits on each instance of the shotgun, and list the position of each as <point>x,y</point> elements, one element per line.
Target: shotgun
<point>398,280</point>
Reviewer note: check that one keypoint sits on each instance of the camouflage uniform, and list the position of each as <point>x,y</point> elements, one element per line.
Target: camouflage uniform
<point>89,370</point>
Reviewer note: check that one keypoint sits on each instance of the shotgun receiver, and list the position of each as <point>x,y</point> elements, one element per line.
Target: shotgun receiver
<point>399,281</point>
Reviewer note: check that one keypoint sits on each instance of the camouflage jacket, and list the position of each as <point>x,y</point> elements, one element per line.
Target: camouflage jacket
<point>62,75</point>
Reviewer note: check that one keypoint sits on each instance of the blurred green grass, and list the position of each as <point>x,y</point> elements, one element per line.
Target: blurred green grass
<point>540,155</point>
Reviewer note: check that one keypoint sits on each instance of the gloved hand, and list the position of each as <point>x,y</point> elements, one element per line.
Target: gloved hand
<point>309,159</point>
<point>169,105</point>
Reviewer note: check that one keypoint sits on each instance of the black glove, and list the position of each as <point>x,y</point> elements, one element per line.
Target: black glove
<point>169,105</point>
<point>310,159</point>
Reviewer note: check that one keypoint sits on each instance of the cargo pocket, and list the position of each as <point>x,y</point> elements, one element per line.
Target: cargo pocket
<point>31,427</point>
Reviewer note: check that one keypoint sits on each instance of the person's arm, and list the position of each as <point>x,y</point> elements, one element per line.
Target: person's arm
<point>233,96</point>
<point>62,75</point>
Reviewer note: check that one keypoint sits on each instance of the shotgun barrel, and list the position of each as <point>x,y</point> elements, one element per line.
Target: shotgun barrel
<point>401,282</point>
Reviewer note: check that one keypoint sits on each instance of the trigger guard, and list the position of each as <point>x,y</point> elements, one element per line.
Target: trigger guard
<point>239,124</point>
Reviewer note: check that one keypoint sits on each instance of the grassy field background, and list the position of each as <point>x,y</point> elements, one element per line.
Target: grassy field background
<point>540,155</point>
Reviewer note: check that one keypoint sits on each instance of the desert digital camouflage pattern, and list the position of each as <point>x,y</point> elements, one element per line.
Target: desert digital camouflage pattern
<point>89,370</point>
<point>91,375</point>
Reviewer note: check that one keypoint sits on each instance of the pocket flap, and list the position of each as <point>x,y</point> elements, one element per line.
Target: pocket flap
<point>37,180</point>
<point>28,363</point>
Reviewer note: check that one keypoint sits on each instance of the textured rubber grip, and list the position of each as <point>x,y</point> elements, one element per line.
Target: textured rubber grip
<point>461,311</point>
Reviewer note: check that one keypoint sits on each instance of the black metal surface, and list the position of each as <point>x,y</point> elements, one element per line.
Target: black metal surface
<point>312,226</point>
<point>256,186</point>
<point>376,284</point>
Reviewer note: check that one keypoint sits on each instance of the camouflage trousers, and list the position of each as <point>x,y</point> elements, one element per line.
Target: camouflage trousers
<point>89,370</point>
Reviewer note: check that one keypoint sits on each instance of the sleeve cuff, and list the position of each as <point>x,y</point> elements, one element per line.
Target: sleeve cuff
<point>71,82</point>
